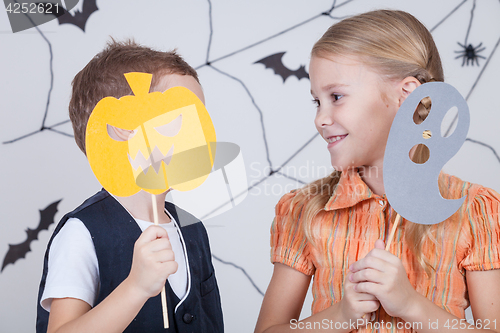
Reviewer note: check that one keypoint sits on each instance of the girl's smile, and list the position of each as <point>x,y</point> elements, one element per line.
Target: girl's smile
<point>334,139</point>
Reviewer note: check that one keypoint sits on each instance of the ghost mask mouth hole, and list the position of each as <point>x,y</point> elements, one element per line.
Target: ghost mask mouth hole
<point>120,134</point>
<point>419,153</point>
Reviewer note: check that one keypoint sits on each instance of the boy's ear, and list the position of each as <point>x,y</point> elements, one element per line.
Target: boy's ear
<point>406,87</point>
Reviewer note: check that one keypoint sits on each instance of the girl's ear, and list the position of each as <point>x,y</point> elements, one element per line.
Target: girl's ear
<point>406,87</point>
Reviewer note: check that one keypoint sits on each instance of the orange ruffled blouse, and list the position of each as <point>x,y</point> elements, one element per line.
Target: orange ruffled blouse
<point>354,218</point>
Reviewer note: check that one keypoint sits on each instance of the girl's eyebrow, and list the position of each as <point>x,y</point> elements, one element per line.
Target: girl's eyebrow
<point>332,86</point>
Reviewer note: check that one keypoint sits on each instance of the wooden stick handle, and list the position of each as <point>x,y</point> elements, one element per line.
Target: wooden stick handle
<point>155,209</point>
<point>163,293</point>
<point>393,231</point>
<point>164,307</point>
<point>389,241</point>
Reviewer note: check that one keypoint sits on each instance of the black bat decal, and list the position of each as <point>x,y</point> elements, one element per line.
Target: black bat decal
<point>80,18</point>
<point>19,251</point>
<point>275,62</point>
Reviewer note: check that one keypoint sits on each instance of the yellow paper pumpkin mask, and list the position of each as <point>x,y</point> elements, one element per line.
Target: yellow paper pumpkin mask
<point>170,146</point>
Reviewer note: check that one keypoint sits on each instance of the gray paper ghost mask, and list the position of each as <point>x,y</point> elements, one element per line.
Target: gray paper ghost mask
<point>411,188</point>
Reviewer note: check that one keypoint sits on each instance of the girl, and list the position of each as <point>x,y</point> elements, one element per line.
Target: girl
<point>361,70</point>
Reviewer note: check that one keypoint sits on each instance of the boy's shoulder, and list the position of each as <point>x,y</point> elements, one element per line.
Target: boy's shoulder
<point>102,201</point>
<point>96,198</point>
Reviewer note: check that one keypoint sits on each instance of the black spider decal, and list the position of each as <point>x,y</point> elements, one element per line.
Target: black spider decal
<point>470,53</point>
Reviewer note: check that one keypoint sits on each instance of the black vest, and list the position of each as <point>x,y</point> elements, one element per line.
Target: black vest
<point>114,233</point>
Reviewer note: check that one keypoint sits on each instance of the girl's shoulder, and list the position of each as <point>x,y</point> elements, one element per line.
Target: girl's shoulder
<point>287,201</point>
<point>454,188</point>
<point>478,222</point>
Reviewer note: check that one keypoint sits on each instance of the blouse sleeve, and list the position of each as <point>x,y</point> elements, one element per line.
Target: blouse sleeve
<point>289,245</point>
<point>481,233</point>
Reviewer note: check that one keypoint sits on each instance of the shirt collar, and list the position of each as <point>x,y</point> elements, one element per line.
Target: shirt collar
<point>349,191</point>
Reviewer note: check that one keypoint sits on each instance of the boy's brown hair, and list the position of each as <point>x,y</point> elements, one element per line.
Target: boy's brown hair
<point>103,76</point>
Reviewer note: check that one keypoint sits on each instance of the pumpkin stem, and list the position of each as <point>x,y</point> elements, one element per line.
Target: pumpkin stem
<point>139,82</point>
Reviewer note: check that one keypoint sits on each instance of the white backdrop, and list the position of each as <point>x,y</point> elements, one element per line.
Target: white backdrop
<point>271,120</point>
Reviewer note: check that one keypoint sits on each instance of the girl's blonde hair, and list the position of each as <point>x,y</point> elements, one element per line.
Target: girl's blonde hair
<point>395,45</point>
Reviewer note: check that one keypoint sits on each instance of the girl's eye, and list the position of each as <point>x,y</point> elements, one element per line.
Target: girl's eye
<point>336,97</point>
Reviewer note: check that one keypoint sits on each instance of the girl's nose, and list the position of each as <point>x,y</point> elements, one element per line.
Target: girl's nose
<point>323,118</point>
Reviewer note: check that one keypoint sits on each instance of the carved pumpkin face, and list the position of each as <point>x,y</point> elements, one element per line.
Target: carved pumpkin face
<point>169,148</point>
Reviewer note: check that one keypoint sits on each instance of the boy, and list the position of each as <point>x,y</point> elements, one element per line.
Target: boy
<point>106,264</point>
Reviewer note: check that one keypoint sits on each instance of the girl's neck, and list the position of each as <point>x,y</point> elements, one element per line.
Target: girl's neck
<point>373,177</point>
<point>140,205</point>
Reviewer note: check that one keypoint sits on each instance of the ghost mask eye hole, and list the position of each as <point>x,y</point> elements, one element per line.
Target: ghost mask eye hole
<point>172,128</point>
<point>120,134</point>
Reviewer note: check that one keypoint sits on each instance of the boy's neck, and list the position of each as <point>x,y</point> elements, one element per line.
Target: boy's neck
<point>140,206</point>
